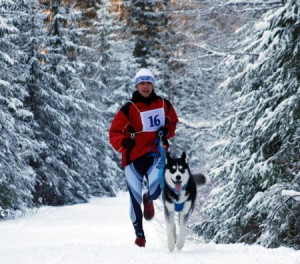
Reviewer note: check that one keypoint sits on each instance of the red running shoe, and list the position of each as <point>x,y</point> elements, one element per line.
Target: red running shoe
<point>148,208</point>
<point>140,241</point>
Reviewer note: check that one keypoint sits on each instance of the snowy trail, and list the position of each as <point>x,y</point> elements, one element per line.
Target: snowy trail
<point>100,232</point>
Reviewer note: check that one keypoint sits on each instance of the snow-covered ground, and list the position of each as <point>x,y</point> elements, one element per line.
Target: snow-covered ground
<point>101,232</point>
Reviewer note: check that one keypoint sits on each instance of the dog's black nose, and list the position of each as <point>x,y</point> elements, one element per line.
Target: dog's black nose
<point>178,178</point>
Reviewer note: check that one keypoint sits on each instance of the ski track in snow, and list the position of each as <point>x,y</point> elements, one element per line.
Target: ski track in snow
<point>101,232</point>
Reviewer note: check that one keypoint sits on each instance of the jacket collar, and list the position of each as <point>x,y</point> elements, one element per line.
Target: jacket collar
<point>137,97</point>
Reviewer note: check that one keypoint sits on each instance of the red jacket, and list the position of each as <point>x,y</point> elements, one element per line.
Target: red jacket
<point>140,119</point>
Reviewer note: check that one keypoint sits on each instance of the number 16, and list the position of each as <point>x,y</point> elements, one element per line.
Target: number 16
<point>154,121</point>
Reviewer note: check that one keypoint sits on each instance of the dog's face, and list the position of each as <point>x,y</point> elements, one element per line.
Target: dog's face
<point>176,172</point>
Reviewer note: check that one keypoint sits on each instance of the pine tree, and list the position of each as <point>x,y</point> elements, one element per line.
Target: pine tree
<point>118,68</point>
<point>102,73</point>
<point>17,142</point>
<point>60,173</point>
<point>258,153</point>
<point>202,40</point>
<point>147,21</point>
<point>113,52</point>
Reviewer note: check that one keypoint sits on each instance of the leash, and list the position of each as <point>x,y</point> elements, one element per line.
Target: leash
<point>162,163</point>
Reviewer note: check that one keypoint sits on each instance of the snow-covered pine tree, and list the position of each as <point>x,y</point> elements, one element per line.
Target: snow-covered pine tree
<point>114,48</point>
<point>118,69</point>
<point>100,73</point>
<point>17,143</point>
<point>62,165</point>
<point>203,35</point>
<point>147,21</point>
<point>259,148</point>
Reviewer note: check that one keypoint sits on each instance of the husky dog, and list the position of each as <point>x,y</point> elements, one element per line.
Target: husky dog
<point>179,194</point>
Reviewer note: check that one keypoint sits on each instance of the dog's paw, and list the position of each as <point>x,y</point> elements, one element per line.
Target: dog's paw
<point>180,244</point>
<point>171,235</point>
<point>171,245</point>
<point>171,241</point>
<point>181,238</point>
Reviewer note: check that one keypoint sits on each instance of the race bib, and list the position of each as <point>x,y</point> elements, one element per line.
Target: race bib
<point>152,120</point>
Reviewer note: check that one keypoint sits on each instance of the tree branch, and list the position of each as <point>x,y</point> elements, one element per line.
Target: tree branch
<point>230,3</point>
<point>200,125</point>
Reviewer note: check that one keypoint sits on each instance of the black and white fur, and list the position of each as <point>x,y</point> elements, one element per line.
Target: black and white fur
<point>179,189</point>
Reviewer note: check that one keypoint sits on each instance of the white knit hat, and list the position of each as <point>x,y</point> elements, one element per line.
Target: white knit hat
<point>143,75</point>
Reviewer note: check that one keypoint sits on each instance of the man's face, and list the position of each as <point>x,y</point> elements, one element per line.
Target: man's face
<point>145,88</point>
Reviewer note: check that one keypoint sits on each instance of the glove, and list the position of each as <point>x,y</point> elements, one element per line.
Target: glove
<point>128,143</point>
<point>163,132</point>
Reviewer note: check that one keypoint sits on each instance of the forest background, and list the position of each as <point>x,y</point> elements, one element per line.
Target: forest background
<point>231,69</point>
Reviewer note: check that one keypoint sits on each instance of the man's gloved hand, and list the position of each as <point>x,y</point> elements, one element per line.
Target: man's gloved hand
<point>128,143</point>
<point>162,132</point>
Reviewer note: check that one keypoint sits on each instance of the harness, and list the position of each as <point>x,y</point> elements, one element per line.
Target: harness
<point>132,134</point>
<point>162,163</point>
<point>178,206</point>
<point>161,151</point>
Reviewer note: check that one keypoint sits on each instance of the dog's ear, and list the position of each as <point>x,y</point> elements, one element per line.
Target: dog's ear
<point>183,156</point>
<point>168,157</point>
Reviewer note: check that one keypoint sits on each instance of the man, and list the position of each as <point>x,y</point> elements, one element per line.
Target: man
<point>134,133</point>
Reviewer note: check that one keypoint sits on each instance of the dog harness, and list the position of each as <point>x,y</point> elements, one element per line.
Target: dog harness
<point>178,206</point>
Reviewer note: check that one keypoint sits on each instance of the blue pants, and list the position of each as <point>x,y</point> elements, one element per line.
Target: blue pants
<point>145,166</point>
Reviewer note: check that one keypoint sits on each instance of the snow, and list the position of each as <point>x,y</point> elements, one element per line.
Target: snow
<point>262,25</point>
<point>294,194</point>
<point>255,199</point>
<point>4,83</point>
<point>7,58</point>
<point>197,125</point>
<point>101,232</point>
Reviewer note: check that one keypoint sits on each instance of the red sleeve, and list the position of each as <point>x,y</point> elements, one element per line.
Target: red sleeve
<point>172,120</point>
<point>117,130</point>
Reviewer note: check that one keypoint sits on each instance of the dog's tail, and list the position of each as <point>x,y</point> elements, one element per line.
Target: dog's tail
<point>199,178</point>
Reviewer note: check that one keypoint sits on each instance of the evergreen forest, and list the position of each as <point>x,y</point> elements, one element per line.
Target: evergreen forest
<point>231,68</point>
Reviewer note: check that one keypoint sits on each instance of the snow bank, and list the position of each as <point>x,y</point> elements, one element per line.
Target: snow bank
<point>101,232</point>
